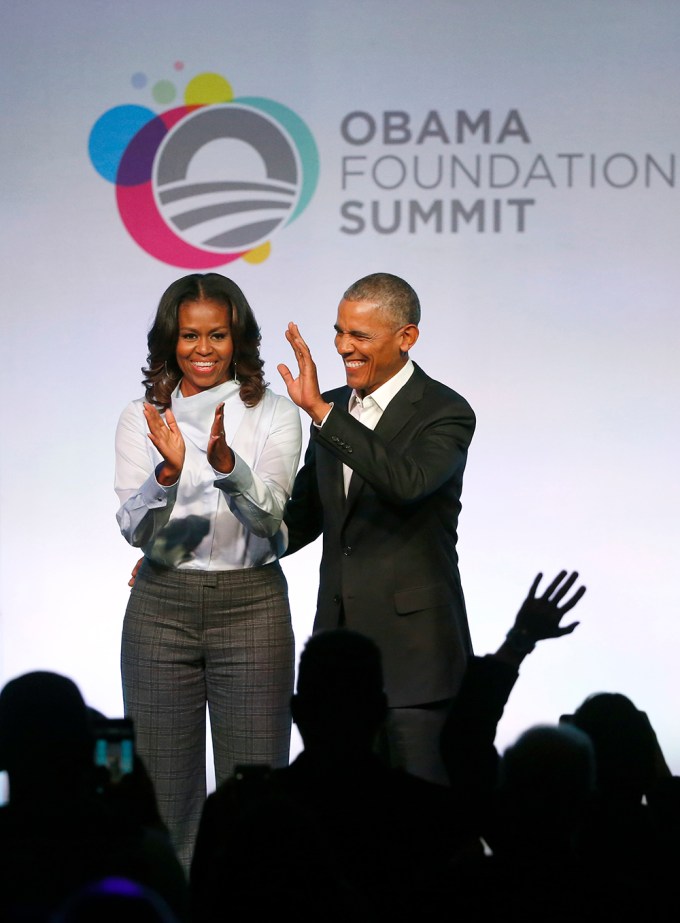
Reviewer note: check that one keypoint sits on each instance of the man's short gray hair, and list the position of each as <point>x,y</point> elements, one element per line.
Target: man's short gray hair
<point>392,295</point>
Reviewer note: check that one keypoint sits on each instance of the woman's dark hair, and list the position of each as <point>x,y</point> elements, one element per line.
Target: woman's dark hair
<point>163,373</point>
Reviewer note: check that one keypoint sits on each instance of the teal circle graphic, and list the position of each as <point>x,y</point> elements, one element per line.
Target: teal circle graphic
<point>302,139</point>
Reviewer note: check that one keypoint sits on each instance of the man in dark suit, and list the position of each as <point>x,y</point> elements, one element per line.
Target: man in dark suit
<point>382,480</point>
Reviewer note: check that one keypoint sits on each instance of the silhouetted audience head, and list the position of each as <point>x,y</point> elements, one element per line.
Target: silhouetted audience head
<point>624,744</point>
<point>548,763</point>
<point>44,730</point>
<point>546,782</point>
<point>340,701</point>
<point>59,832</point>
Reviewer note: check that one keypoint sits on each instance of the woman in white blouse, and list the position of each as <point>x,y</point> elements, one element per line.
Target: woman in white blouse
<point>204,466</point>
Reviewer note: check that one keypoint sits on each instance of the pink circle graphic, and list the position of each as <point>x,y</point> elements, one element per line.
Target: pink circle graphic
<point>137,207</point>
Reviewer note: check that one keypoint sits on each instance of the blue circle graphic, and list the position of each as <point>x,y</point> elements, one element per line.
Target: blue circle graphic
<point>111,135</point>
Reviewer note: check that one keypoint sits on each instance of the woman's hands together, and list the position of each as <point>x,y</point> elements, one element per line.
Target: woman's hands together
<point>166,436</point>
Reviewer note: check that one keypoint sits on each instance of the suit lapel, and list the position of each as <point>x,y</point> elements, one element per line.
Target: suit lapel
<point>401,408</point>
<point>400,411</point>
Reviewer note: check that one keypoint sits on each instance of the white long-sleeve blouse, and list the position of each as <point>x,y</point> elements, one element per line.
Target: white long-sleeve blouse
<point>209,520</point>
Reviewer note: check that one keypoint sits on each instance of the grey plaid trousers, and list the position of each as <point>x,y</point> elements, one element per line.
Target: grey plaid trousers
<point>191,637</point>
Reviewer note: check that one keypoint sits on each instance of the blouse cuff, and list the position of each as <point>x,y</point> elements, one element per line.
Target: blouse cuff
<point>238,481</point>
<point>155,495</point>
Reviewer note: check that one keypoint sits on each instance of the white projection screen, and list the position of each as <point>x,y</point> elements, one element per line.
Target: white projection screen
<point>516,160</point>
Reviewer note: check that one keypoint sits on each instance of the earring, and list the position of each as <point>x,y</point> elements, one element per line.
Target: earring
<point>235,375</point>
<point>168,373</point>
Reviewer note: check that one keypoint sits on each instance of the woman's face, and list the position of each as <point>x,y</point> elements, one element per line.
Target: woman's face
<point>204,346</point>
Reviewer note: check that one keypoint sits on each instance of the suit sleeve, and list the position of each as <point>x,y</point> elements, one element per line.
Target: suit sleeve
<point>303,515</point>
<point>436,453</point>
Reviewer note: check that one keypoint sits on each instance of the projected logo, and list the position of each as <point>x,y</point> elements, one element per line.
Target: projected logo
<point>209,181</point>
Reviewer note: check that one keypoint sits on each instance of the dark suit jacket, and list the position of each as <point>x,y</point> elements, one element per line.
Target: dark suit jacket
<point>389,548</point>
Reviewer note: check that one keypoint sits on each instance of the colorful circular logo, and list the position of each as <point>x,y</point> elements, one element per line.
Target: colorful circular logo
<point>207,182</point>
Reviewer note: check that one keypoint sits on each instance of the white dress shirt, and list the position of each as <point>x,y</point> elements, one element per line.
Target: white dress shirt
<point>209,520</point>
<point>369,409</point>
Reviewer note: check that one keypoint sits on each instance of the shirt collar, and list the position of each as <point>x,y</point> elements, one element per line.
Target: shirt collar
<point>385,393</point>
<point>217,393</point>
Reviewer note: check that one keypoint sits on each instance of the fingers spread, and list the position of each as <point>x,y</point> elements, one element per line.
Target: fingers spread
<point>553,586</point>
<point>570,603</point>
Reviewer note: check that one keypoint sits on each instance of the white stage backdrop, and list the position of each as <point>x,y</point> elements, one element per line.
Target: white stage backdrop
<point>515,160</point>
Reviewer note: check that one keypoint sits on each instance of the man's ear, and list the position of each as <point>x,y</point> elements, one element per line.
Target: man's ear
<point>409,335</point>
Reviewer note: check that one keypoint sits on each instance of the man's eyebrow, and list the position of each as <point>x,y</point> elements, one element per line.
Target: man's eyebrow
<point>352,333</point>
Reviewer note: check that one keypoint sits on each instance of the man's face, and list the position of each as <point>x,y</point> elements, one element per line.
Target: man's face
<point>372,347</point>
